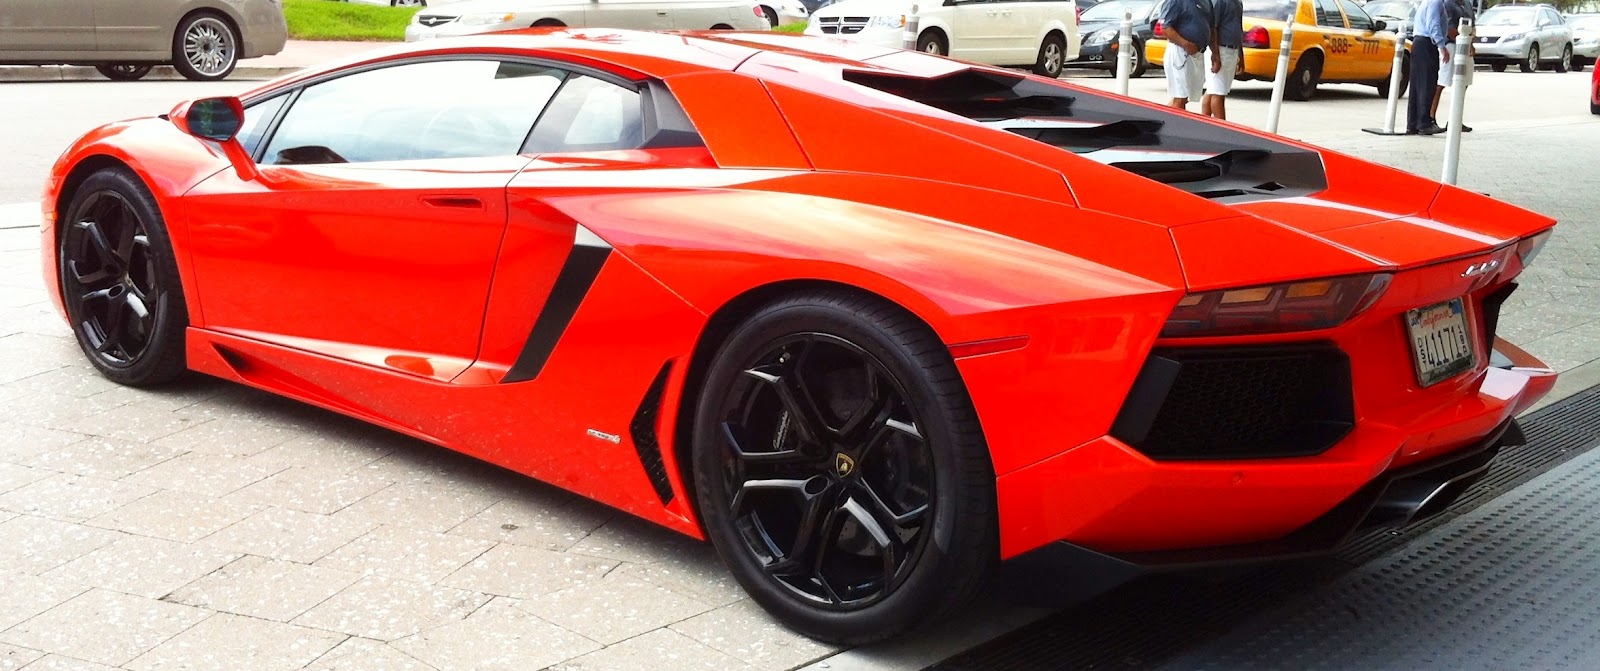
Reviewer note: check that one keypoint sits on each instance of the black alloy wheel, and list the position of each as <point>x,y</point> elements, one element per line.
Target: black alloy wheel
<point>826,462</point>
<point>119,281</point>
<point>123,72</point>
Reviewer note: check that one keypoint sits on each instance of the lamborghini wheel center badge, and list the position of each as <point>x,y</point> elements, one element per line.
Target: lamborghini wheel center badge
<point>843,465</point>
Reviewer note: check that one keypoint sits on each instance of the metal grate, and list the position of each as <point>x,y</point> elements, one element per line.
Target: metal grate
<point>1149,620</point>
<point>643,432</point>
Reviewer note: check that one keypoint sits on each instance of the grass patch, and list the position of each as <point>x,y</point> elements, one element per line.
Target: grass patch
<point>796,27</point>
<point>329,20</point>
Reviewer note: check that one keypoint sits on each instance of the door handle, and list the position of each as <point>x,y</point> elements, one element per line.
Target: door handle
<point>661,13</point>
<point>456,202</point>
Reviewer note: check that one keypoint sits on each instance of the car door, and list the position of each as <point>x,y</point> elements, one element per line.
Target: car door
<point>632,14</point>
<point>975,30</point>
<point>1370,56</point>
<point>1552,36</point>
<point>134,26</point>
<point>44,26</point>
<point>1337,41</point>
<point>1017,25</point>
<point>371,232</point>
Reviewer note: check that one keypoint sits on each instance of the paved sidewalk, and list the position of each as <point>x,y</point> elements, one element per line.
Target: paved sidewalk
<point>296,55</point>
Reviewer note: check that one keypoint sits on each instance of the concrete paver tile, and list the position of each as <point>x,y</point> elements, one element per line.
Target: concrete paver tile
<point>148,567</point>
<point>310,490</point>
<point>332,453</point>
<point>540,518</point>
<point>174,515</point>
<point>26,596</point>
<point>226,642</point>
<point>18,441</point>
<point>13,476</point>
<point>54,411</point>
<point>59,663</point>
<point>289,535</point>
<point>629,539</point>
<point>229,437</point>
<point>74,498</point>
<point>141,422</point>
<point>614,608</point>
<point>414,461</point>
<point>497,636</point>
<point>77,381</point>
<point>660,649</point>
<point>13,657</point>
<point>384,609</point>
<point>519,571</point>
<point>365,654</point>
<point>746,632</point>
<point>102,457</point>
<point>270,589</point>
<point>180,395</point>
<point>419,506</point>
<point>698,574</point>
<point>205,474</point>
<point>104,627</point>
<point>35,545</point>
<point>408,554</point>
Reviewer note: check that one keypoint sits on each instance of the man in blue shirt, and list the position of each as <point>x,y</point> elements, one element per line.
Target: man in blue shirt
<point>1227,19</point>
<point>1188,27</point>
<point>1454,12</point>
<point>1429,36</point>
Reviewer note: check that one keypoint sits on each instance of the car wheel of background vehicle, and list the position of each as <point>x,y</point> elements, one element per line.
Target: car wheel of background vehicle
<point>932,42</point>
<point>119,281</point>
<point>1052,56</point>
<point>1497,67</point>
<point>549,23</point>
<point>205,48</point>
<point>408,3</point>
<point>123,72</point>
<point>1530,63</point>
<point>1302,84</point>
<point>1565,63</point>
<point>840,469</point>
<point>1578,64</point>
<point>1141,64</point>
<point>1405,78</point>
<point>772,15</point>
<point>722,26</point>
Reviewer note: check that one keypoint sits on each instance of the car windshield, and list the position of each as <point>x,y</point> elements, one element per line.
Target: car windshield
<point>1391,10</point>
<point>1508,16</point>
<point>1272,10</point>
<point>1113,10</point>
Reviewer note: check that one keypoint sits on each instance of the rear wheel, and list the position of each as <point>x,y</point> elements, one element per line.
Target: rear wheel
<point>771,14</point>
<point>119,281</point>
<point>1565,63</point>
<point>1531,61</point>
<point>549,23</point>
<point>932,42</point>
<point>205,48</point>
<point>840,469</point>
<point>123,72</point>
<point>1405,78</point>
<point>1498,67</point>
<point>408,3</point>
<point>722,26</point>
<point>1141,64</point>
<point>1302,84</point>
<point>1052,56</point>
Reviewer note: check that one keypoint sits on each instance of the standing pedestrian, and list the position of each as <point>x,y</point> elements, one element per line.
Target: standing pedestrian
<point>1427,45</point>
<point>1227,39</point>
<point>1187,25</point>
<point>1454,11</point>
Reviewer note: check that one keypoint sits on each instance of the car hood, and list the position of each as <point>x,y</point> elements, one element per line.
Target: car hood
<point>865,8</point>
<point>1501,31</point>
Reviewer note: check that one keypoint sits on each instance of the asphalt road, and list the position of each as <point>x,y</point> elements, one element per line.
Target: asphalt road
<point>39,120</point>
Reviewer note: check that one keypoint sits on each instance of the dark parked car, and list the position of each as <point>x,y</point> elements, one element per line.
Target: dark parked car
<point>1098,27</point>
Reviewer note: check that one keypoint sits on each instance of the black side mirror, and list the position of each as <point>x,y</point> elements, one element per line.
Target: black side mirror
<point>1379,26</point>
<point>215,119</point>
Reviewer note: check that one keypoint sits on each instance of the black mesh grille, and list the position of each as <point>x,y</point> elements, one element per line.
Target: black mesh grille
<point>1239,403</point>
<point>643,431</point>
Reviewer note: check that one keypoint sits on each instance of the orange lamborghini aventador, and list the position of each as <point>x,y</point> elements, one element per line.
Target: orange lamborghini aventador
<point>872,322</point>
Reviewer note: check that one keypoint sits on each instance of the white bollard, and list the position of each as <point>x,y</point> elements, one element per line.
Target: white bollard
<point>1394,89</point>
<point>909,37</point>
<point>1280,79</point>
<point>1125,55</point>
<point>1460,69</point>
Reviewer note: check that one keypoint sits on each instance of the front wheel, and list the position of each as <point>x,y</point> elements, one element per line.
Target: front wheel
<point>1498,67</point>
<point>1141,64</point>
<point>932,42</point>
<point>840,470</point>
<point>771,14</point>
<point>123,72</point>
<point>206,48</point>
<point>408,3</point>
<point>1052,56</point>
<point>1531,62</point>
<point>119,281</point>
<point>1302,84</point>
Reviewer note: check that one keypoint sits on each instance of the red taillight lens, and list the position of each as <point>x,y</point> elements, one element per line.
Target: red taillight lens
<point>1529,247</point>
<point>1158,31</point>
<point>1275,308</point>
<point>1257,37</point>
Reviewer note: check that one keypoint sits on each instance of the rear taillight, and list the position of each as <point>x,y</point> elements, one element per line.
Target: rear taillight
<point>1275,308</point>
<point>1529,247</point>
<point>1257,38</point>
<point>1158,30</point>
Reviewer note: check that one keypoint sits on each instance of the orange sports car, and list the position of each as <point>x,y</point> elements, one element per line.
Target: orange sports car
<point>873,322</point>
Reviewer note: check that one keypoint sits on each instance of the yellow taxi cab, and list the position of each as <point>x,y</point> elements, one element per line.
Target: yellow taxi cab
<point>1335,42</point>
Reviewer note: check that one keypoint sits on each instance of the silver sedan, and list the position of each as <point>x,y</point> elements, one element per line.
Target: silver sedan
<point>483,16</point>
<point>203,39</point>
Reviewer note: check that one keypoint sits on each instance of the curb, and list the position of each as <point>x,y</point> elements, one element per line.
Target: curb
<point>74,73</point>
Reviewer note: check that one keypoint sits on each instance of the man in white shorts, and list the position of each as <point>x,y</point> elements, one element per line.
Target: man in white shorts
<point>1186,24</point>
<point>1223,55</point>
<point>1454,11</point>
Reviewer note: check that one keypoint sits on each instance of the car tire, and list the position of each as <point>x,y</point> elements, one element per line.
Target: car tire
<point>1141,64</point>
<point>771,14</point>
<point>1565,64</point>
<point>119,281</point>
<point>1531,61</point>
<point>205,47</point>
<point>933,42</point>
<point>1052,56</point>
<point>549,23</point>
<point>1405,78</point>
<point>408,3</point>
<point>123,72</point>
<point>1498,67</point>
<point>1302,84</point>
<point>799,392</point>
<point>1578,64</point>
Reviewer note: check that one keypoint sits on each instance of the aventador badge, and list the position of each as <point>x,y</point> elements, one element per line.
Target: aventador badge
<point>608,437</point>
<point>843,465</point>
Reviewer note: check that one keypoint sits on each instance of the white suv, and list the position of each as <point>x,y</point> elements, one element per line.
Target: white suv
<point>1040,34</point>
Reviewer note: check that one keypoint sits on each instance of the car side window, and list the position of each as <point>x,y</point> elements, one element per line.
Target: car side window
<point>588,114</point>
<point>257,118</point>
<point>1551,17</point>
<point>1358,18</point>
<point>1328,14</point>
<point>424,110</point>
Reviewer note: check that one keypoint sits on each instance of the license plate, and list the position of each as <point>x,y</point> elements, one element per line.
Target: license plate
<point>1441,345</point>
